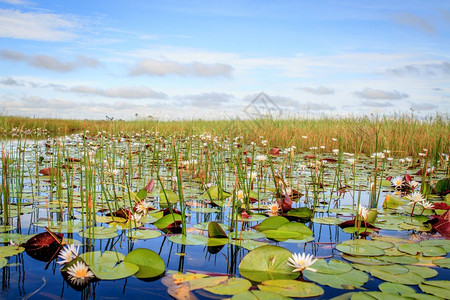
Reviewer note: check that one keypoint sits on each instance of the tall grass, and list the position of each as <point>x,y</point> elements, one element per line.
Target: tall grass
<point>403,134</point>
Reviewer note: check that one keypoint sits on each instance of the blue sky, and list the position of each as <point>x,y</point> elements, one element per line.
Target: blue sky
<point>210,59</point>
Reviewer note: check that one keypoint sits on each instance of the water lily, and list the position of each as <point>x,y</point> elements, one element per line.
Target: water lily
<point>415,198</point>
<point>363,212</point>
<point>79,273</point>
<point>397,182</point>
<point>301,262</point>
<point>68,253</point>
<point>274,208</point>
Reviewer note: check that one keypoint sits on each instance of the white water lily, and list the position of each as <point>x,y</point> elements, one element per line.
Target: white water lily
<point>301,262</point>
<point>68,253</point>
<point>143,207</point>
<point>415,198</point>
<point>363,212</point>
<point>426,205</point>
<point>274,208</point>
<point>79,273</point>
<point>397,182</point>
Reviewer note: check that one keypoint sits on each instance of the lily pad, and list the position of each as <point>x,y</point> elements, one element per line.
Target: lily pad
<point>412,249</point>
<point>215,231</point>
<point>433,251</point>
<point>189,239</point>
<point>149,262</point>
<point>232,286</point>
<point>7,251</point>
<point>438,288</point>
<point>360,250</point>
<point>408,278</point>
<point>258,295</point>
<point>272,223</point>
<point>99,232</point>
<point>109,265</point>
<point>334,266</point>
<point>143,234</point>
<point>291,288</point>
<point>328,220</point>
<point>167,220</point>
<point>347,280</point>
<point>3,262</point>
<point>267,262</point>
<point>443,263</point>
<point>396,288</point>
<point>204,226</point>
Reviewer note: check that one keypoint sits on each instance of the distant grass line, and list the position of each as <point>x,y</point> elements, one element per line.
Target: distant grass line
<point>403,135</point>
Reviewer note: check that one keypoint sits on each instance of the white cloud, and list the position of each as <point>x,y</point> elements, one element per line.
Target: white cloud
<point>47,62</point>
<point>37,26</point>
<point>376,104</point>
<point>127,92</point>
<point>162,68</point>
<point>431,69</point>
<point>423,106</point>
<point>376,94</point>
<point>208,100</point>
<point>321,90</point>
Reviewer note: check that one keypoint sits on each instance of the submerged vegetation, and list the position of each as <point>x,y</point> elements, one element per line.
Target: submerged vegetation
<point>250,209</point>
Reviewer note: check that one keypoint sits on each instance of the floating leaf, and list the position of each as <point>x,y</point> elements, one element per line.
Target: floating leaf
<point>438,288</point>
<point>232,286</point>
<point>347,280</point>
<point>332,267</point>
<point>272,223</point>
<point>168,220</point>
<point>391,201</point>
<point>143,234</point>
<point>204,226</point>
<point>328,220</point>
<point>412,249</point>
<point>422,271</point>
<point>149,262</point>
<point>396,288</point>
<point>215,193</point>
<point>109,265</point>
<point>267,262</point>
<point>408,278</point>
<point>291,288</point>
<point>443,263</point>
<point>189,239</point>
<point>360,250</point>
<point>364,260</point>
<point>215,231</point>
<point>7,251</point>
<point>399,259</point>
<point>258,295</point>
<point>3,262</point>
<point>201,283</point>
<point>296,227</point>
<point>433,251</point>
<point>301,212</point>
<point>99,232</point>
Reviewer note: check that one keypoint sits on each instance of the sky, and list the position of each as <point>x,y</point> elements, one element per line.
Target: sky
<point>223,59</point>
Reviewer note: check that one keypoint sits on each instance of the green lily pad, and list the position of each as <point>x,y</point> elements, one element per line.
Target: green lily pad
<point>347,280</point>
<point>391,201</point>
<point>167,196</point>
<point>291,288</point>
<point>149,262</point>
<point>7,251</point>
<point>143,234</point>
<point>249,235</point>
<point>272,223</point>
<point>408,278</point>
<point>212,242</point>
<point>204,210</point>
<point>99,232</point>
<point>376,296</point>
<point>334,266</point>
<point>232,286</point>
<point>438,288</point>
<point>328,220</point>
<point>15,237</point>
<point>357,250</point>
<point>280,235</point>
<point>109,265</point>
<point>201,283</point>
<point>6,228</point>
<point>443,263</point>
<point>433,251</point>
<point>258,295</point>
<point>167,220</point>
<point>267,262</point>
<point>412,249</point>
<point>361,242</point>
<point>424,272</point>
<point>301,212</point>
<point>189,239</point>
<point>204,226</point>
<point>396,288</point>
<point>3,262</point>
<point>215,231</point>
<point>248,244</point>
<point>215,193</point>
<point>296,227</point>
<point>435,242</point>
<point>407,260</point>
<point>364,260</point>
